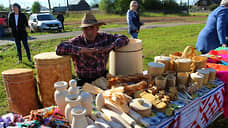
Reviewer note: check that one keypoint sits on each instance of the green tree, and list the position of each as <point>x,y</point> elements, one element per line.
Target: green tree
<point>36,7</point>
<point>106,5</point>
<point>2,8</point>
<point>95,3</point>
<point>121,6</point>
<point>117,6</point>
<point>170,5</point>
<point>151,4</point>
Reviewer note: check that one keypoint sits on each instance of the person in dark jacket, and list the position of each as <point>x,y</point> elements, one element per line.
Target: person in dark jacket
<point>18,23</point>
<point>60,18</point>
<point>214,34</point>
<point>133,20</point>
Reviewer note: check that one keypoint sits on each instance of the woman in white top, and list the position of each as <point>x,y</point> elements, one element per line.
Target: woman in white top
<point>18,23</point>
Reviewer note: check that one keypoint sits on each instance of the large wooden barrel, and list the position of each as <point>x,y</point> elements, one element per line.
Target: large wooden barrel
<point>127,60</point>
<point>21,92</point>
<point>50,69</point>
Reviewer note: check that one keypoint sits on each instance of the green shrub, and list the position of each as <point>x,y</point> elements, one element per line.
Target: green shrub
<point>36,7</point>
<point>213,6</point>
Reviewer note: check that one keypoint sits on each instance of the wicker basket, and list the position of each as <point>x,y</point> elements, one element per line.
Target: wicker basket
<point>174,56</point>
<point>160,82</point>
<point>163,59</point>
<point>155,69</point>
<point>198,62</point>
<point>20,89</point>
<point>198,79</point>
<point>182,78</point>
<point>188,52</point>
<point>50,69</point>
<point>182,65</point>
<point>212,74</point>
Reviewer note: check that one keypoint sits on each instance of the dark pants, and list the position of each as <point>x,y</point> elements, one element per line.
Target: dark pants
<point>81,81</point>
<point>2,32</point>
<point>204,52</point>
<point>62,24</point>
<point>134,35</point>
<point>25,43</point>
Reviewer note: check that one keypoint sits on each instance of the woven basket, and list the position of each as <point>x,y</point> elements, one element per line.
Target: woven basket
<point>198,62</point>
<point>20,89</point>
<point>174,56</point>
<point>50,69</point>
<point>182,66</point>
<point>182,78</point>
<point>188,52</point>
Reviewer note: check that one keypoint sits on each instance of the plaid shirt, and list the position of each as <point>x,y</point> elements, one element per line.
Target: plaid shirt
<point>90,66</point>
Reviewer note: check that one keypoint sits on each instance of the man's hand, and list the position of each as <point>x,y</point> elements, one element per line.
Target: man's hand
<point>223,45</point>
<point>97,49</point>
<point>105,49</point>
<point>88,50</point>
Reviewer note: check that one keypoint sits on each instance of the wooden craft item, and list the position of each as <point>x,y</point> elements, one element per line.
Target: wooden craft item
<point>20,90</point>
<point>163,59</point>
<point>113,116</point>
<point>160,82</point>
<point>142,106</point>
<point>205,72</point>
<point>197,78</point>
<point>182,65</point>
<point>212,74</point>
<point>155,69</point>
<point>51,68</point>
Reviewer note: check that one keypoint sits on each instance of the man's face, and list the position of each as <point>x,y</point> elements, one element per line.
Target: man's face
<point>15,9</point>
<point>90,32</point>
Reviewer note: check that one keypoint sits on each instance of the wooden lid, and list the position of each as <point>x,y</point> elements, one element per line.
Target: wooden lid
<point>133,45</point>
<point>49,58</point>
<point>18,71</point>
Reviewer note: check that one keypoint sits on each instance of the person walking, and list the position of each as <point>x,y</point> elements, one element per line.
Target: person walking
<point>18,23</point>
<point>60,18</point>
<point>133,20</point>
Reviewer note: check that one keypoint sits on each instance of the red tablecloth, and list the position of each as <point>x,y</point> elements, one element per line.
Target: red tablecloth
<point>222,72</point>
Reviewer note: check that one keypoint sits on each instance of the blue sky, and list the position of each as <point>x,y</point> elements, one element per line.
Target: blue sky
<point>28,3</point>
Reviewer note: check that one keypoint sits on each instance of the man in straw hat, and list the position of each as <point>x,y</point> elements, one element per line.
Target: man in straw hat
<point>214,33</point>
<point>90,50</point>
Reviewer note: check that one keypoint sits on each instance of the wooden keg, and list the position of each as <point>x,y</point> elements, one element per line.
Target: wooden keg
<point>20,89</point>
<point>127,60</point>
<point>51,68</point>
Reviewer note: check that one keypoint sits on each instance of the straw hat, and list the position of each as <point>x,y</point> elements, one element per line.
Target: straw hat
<point>89,20</point>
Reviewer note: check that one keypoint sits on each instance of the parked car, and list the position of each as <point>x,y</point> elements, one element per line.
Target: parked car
<point>4,22</point>
<point>44,22</point>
